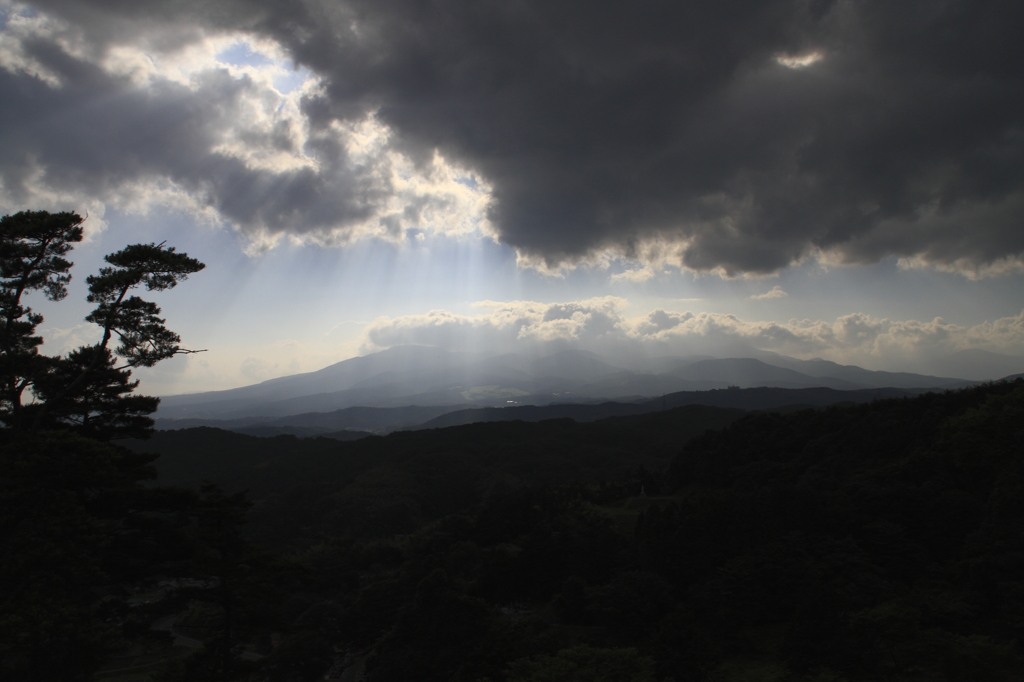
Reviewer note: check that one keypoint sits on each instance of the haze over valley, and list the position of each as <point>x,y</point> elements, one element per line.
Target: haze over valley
<point>413,385</point>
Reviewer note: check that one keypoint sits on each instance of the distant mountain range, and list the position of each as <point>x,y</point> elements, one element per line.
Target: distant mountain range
<point>407,386</point>
<point>357,422</point>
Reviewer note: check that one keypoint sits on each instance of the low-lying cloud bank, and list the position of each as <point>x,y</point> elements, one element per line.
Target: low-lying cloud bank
<point>739,136</point>
<point>599,325</point>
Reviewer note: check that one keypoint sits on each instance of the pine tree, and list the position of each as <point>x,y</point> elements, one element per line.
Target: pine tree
<point>86,390</point>
<point>32,249</point>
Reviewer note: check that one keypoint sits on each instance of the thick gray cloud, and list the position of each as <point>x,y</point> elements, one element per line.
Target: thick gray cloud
<point>739,135</point>
<point>98,134</point>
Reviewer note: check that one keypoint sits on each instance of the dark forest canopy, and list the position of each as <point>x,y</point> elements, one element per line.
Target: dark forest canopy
<point>848,543</point>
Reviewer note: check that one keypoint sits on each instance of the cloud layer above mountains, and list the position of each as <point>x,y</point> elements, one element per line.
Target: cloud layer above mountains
<point>737,136</point>
<point>600,325</point>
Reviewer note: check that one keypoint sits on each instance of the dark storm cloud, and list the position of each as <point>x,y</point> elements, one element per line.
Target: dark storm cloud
<point>99,134</point>
<point>610,125</point>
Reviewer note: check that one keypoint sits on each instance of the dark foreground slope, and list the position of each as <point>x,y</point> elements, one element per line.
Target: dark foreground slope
<point>873,542</point>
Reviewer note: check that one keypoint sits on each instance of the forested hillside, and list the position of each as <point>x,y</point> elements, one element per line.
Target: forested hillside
<point>879,541</point>
<point>308,489</point>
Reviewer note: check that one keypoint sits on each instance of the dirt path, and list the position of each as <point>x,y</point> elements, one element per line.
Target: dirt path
<point>167,624</point>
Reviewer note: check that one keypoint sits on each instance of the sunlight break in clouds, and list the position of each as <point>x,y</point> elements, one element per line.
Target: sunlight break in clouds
<point>135,125</point>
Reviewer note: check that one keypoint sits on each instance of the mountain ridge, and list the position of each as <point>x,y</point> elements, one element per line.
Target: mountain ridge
<point>430,376</point>
<point>414,418</point>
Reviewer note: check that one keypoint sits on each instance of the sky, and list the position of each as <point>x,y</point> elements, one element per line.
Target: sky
<point>841,179</point>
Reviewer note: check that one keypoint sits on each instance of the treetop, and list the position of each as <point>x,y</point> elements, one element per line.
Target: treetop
<point>32,246</point>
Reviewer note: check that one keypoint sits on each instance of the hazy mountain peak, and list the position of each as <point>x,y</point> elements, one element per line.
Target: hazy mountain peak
<point>430,376</point>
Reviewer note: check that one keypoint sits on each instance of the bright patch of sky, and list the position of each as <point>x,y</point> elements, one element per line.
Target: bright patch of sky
<point>243,54</point>
<point>288,76</point>
<point>299,307</point>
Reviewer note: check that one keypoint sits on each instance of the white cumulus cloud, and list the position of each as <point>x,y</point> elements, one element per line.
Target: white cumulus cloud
<point>600,325</point>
